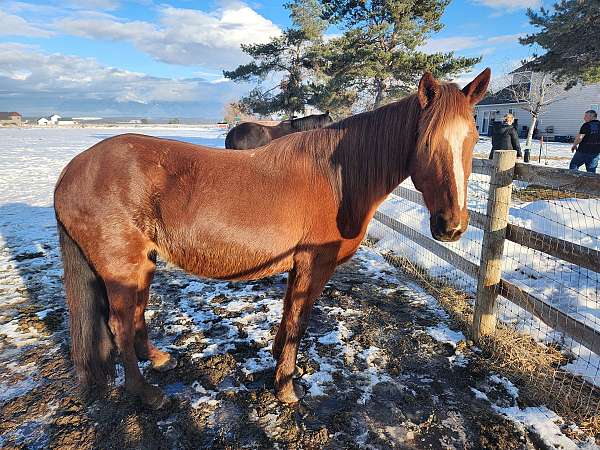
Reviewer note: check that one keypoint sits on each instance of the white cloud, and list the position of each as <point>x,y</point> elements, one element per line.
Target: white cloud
<point>30,76</point>
<point>13,25</point>
<point>505,38</point>
<point>94,4</point>
<point>451,44</point>
<point>183,36</point>
<point>458,43</point>
<point>510,5</point>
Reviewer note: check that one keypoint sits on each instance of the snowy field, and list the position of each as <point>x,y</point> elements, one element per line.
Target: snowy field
<point>381,364</point>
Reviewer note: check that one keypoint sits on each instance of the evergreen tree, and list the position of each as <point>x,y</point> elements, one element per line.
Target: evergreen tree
<point>288,57</point>
<point>570,35</point>
<point>378,57</point>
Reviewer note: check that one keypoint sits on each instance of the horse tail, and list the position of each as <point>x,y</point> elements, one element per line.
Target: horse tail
<point>92,347</point>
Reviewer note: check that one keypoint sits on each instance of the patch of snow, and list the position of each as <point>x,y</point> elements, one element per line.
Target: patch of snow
<point>19,338</point>
<point>544,422</point>
<point>336,337</point>
<point>208,397</point>
<point>480,395</point>
<point>442,333</point>
<point>510,388</point>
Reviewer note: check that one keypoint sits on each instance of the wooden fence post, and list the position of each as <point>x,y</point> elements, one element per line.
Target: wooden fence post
<point>492,247</point>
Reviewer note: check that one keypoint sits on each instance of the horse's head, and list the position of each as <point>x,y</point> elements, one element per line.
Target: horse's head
<point>311,122</point>
<point>442,161</point>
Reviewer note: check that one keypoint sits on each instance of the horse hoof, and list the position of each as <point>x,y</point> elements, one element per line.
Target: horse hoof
<point>291,395</point>
<point>166,365</point>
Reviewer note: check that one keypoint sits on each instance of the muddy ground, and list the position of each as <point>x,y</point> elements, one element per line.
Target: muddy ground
<point>380,366</point>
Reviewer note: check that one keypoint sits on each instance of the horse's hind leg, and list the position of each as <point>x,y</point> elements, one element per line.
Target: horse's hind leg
<point>122,299</point>
<point>144,349</point>
<point>310,276</point>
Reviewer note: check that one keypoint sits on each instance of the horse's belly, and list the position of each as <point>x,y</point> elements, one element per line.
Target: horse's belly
<point>233,261</point>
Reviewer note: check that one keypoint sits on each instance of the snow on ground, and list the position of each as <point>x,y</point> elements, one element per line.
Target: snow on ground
<point>380,362</point>
<point>544,422</point>
<point>571,288</point>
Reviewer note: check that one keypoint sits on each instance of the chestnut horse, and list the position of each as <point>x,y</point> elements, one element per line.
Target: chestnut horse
<point>252,135</point>
<point>299,205</point>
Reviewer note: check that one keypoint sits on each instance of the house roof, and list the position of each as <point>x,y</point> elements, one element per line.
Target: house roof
<point>506,95</point>
<point>8,115</point>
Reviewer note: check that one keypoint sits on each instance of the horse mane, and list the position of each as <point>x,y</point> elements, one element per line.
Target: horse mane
<point>367,155</point>
<point>310,122</point>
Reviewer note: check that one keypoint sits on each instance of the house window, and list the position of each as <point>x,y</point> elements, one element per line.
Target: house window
<point>594,106</point>
<point>511,111</point>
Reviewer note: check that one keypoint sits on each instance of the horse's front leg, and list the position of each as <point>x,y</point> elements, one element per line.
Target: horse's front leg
<point>281,331</point>
<point>305,284</point>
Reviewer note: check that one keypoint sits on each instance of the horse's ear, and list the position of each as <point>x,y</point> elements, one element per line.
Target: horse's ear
<point>477,88</point>
<point>429,90</point>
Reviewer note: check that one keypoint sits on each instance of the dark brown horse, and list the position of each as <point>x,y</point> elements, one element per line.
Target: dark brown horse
<point>249,135</point>
<point>299,205</point>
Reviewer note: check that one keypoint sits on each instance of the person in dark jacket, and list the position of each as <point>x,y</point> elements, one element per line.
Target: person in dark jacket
<point>587,144</point>
<point>505,136</point>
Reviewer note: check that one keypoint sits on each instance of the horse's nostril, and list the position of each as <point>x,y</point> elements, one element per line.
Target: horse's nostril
<point>440,223</point>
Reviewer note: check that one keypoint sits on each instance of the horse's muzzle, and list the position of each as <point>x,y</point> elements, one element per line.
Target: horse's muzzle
<point>446,230</point>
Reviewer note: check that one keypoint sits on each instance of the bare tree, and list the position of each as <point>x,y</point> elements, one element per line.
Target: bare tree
<point>235,111</point>
<point>535,97</point>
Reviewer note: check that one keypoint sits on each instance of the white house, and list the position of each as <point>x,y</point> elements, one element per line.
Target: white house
<point>54,119</point>
<point>66,121</point>
<point>561,120</point>
<point>43,121</point>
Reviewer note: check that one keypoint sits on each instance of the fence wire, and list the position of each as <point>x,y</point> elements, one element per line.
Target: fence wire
<point>552,366</point>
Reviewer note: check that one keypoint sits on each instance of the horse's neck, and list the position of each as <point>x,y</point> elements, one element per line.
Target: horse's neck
<point>372,162</point>
<point>282,129</point>
<point>381,143</point>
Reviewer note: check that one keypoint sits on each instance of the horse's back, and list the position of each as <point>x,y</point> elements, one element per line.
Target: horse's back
<point>247,135</point>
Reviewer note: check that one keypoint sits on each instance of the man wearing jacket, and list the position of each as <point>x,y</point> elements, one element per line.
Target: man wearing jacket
<point>587,144</point>
<point>505,137</point>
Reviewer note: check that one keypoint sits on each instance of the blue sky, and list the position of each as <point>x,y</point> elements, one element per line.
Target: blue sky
<point>164,59</point>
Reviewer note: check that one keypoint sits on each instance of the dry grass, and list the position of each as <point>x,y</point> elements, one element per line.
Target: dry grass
<point>533,368</point>
<point>535,192</point>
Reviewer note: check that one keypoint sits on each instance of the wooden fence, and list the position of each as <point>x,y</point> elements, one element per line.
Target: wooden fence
<point>502,170</point>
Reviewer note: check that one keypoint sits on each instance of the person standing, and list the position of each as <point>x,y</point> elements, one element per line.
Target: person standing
<point>587,144</point>
<point>505,136</point>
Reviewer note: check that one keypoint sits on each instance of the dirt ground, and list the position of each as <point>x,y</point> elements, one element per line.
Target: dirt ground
<point>380,366</point>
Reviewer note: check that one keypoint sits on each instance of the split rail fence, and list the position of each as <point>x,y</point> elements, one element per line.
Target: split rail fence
<point>542,256</point>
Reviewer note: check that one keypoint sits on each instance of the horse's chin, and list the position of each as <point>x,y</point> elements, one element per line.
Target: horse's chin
<point>447,237</point>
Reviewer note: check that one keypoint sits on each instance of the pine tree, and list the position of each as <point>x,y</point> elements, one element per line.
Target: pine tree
<point>570,35</point>
<point>289,57</point>
<point>378,57</point>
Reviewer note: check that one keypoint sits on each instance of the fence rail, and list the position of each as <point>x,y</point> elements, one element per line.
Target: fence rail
<point>503,170</point>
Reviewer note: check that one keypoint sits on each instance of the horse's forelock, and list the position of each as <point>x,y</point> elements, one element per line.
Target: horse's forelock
<point>449,107</point>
